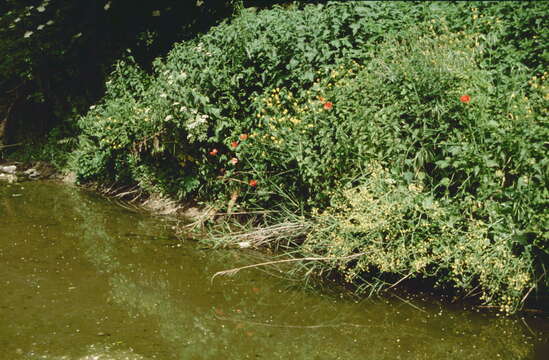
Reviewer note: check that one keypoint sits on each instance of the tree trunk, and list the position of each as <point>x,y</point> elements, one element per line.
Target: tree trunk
<point>4,115</point>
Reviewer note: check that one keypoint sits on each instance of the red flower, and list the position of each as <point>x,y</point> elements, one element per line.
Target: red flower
<point>253,183</point>
<point>328,105</point>
<point>234,144</point>
<point>465,99</point>
<point>234,161</point>
<point>243,137</point>
<point>213,152</point>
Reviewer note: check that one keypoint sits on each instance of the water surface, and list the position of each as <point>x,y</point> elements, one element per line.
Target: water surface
<point>84,278</point>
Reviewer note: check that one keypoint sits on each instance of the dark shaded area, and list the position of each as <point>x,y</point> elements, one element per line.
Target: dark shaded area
<point>57,54</point>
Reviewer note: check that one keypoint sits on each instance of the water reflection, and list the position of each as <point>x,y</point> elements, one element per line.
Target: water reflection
<point>85,279</point>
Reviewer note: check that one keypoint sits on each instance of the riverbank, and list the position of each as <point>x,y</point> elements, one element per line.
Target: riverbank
<point>13,171</point>
<point>384,169</point>
<point>283,241</point>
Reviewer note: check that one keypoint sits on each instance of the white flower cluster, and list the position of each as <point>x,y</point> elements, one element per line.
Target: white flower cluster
<point>172,77</point>
<point>197,121</point>
<point>199,48</point>
<point>197,126</point>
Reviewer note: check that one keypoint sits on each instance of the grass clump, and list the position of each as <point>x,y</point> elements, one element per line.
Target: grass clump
<point>419,144</point>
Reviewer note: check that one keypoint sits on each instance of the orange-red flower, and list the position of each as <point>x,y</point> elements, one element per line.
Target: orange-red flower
<point>214,152</point>
<point>328,105</point>
<point>234,144</point>
<point>253,183</point>
<point>243,137</point>
<point>465,99</point>
<point>234,161</point>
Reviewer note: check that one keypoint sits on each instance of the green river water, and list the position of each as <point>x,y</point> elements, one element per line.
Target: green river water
<point>84,278</point>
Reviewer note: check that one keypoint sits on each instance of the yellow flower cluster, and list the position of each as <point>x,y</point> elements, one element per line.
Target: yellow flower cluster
<point>398,233</point>
<point>539,83</point>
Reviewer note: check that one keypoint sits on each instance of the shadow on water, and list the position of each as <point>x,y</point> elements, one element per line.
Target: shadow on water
<point>85,279</point>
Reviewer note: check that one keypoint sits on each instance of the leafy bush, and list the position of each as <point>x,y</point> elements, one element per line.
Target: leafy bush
<point>204,91</point>
<point>56,149</point>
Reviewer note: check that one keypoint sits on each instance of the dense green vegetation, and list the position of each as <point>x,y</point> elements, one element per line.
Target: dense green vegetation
<point>413,134</point>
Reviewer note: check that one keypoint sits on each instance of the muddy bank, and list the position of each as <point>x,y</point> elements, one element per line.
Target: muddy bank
<point>14,172</point>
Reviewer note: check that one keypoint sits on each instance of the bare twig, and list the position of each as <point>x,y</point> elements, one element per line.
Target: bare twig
<point>247,212</point>
<point>207,214</point>
<point>263,235</point>
<point>130,191</point>
<point>398,282</point>
<point>471,291</point>
<point>409,303</point>
<point>531,288</point>
<point>528,327</point>
<point>232,202</point>
<point>528,293</point>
